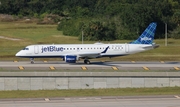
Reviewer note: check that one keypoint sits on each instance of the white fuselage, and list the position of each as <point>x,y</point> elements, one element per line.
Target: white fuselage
<point>82,50</point>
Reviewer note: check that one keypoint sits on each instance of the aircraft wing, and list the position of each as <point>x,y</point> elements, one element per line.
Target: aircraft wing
<point>91,54</point>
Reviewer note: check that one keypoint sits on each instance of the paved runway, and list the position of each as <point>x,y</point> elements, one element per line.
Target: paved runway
<point>145,101</point>
<point>114,65</point>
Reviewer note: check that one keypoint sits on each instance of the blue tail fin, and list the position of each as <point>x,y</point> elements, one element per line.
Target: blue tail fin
<point>147,36</point>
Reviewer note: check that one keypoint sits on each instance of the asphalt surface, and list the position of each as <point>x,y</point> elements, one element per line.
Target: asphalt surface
<point>120,101</point>
<point>108,65</point>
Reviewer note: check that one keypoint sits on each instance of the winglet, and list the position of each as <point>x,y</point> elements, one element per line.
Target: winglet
<point>105,50</point>
<point>147,36</point>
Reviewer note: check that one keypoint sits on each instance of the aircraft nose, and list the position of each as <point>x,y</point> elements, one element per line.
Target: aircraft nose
<point>17,54</point>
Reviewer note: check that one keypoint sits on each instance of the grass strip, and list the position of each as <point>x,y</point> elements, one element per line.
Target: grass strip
<point>90,92</point>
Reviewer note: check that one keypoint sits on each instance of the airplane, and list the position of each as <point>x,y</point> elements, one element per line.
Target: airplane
<point>74,52</point>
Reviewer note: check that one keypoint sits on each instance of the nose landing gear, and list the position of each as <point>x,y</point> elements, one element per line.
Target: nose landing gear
<point>32,60</point>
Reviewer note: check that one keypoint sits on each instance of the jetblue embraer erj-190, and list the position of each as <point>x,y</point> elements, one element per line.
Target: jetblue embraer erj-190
<point>73,52</point>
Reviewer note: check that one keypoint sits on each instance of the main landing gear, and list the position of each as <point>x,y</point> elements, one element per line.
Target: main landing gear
<point>86,61</point>
<point>32,60</point>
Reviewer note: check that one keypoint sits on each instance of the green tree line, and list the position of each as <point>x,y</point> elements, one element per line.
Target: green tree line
<point>103,19</point>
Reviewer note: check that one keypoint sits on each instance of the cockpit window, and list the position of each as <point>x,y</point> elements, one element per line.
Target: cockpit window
<point>26,49</point>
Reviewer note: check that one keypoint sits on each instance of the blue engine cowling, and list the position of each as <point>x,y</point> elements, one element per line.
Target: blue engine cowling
<point>70,59</point>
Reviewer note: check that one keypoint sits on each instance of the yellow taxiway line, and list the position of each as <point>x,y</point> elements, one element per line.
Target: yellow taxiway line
<point>52,68</point>
<point>114,68</point>
<point>145,68</point>
<point>21,67</point>
<point>84,68</point>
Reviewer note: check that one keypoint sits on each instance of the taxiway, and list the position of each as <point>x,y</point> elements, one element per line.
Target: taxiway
<point>107,65</point>
<point>135,101</point>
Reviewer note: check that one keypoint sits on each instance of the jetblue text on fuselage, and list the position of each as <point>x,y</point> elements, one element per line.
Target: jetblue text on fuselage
<point>51,49</point>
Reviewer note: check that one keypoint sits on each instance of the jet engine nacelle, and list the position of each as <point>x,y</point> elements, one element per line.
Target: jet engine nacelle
<point>70,58</point>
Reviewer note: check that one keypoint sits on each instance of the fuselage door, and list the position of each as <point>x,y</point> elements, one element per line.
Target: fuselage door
<point>36,49</point>
<point>126,48</point>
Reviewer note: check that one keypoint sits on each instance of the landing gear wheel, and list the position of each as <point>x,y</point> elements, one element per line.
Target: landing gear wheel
<point>86,61</point>
<point>32,60</point>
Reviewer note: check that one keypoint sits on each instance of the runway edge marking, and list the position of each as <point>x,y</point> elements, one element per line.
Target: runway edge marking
<point>176,96</point>
<point>145,68</point>
<point>176,68</point>
<point>162,61</point>
<point>45,61</point>
<point>133,61</point>
<point>47,99</point>
<point>52,67</point>
<point>21,67</point>
<point>114,68</point>
<point>84,68</point>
